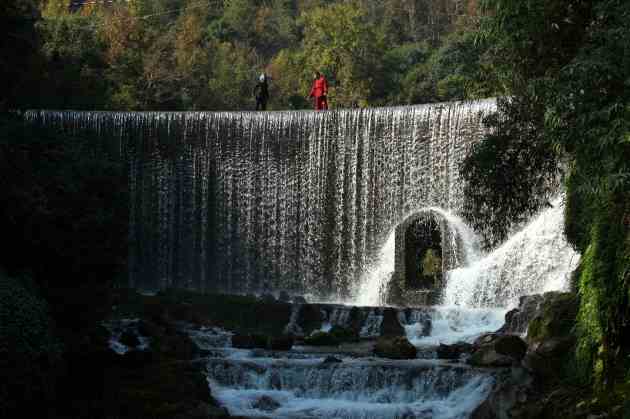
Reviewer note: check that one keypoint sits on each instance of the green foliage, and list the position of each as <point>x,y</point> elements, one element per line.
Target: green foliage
<point>589,328</point>
<point>174,55</point>
<point>512,173</point>
<point>66,215</point>
<point>341,44</point>
<point>565,64</point>
<point>75,64</point>
<point>28,349</point>
<point>19,44</point>
<point>604,287</point>
<point>230,86</point>
<point>65,185</point>
<point>454,71</point>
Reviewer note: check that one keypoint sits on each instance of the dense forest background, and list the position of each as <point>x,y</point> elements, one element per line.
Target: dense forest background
<point>208,54</point>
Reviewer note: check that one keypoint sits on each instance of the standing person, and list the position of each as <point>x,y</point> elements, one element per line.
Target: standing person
<point>261,92</point>
<point>319,91</point>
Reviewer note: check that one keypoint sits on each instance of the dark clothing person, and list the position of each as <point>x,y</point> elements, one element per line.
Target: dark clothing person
<point>261,92</point>
<point>319,92</point>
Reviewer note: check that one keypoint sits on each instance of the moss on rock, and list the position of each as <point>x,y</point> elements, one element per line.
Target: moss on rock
<point>555,317</point>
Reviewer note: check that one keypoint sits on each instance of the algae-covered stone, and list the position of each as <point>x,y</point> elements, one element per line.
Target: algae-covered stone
<point>554,318</point>
<point>550,336</point>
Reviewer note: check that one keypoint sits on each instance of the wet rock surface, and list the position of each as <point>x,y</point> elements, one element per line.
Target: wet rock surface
<point>550,335</point>
<point>455,351</point>
<point>533,388</point>
<point>497,350</point>
<point>266,404</point>
<point>395,348</point>
<point>517,320</point>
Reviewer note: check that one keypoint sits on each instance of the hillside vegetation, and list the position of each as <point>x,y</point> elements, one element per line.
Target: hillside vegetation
<point>208,54</point>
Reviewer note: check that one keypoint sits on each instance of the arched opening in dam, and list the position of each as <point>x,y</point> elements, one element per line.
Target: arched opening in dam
<point>422,252</point>
<point>429,243</point>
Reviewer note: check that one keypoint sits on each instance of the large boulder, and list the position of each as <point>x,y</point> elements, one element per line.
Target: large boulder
<point>266,404</point>
<point>555,318</point>
<point>511,397</point>
<point>395,348</point>
<point>454,351</point>
<point>517,320</point>
<point>390,325</point>
<point>496,350</point>
<point>129,338</point>
<point>309,318</point>
<point>550,335</point>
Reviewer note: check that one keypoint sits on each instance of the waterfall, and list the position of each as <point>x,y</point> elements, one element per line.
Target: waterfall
<point>300,201</point>
<point>354,388</point>
<point>534,260</point>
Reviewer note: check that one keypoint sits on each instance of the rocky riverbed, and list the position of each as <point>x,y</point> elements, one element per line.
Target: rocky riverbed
<point>261,357</point>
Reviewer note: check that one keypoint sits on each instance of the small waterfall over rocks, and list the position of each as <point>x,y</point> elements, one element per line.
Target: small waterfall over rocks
<point>298,201</point>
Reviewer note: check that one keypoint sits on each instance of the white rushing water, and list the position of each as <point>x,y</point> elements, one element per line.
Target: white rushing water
<point>353,388</point>
<point>456,324</point>
<point>257,202</point>
<point>373,284</point>
<point>371,289</point>
<point>477,295</point>
<point>536,259</point>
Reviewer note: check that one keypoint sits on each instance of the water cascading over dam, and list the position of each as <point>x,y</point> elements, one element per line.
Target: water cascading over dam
<point>297,200</point>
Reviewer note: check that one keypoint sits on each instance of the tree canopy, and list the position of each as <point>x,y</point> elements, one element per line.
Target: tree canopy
<point>207,54</point>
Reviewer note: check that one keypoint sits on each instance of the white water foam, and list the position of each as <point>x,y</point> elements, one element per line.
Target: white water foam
<point>537,259</point>
<point>374,281</point>
<point>376,389</point>
<point>456,324</point>
<point>458,405</point>
<point>477,295</point>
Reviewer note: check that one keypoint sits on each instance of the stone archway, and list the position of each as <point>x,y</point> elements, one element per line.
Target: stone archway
<point>426,247</point>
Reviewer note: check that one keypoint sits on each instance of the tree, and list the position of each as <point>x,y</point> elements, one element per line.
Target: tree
<point>338,42</point>
<point>19,47</point>
<point>233,72</point>
<point>75,63</point>
<point>564,64</point>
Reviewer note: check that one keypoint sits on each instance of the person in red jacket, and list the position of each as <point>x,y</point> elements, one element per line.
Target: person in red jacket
<point>319,91</point>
